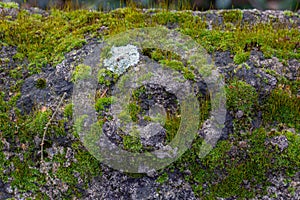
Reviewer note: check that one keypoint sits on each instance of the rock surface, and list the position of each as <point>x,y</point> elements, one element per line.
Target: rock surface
<point>117,185</point>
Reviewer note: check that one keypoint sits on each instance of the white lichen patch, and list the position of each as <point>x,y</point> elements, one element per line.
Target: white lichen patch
<point>122,58</point>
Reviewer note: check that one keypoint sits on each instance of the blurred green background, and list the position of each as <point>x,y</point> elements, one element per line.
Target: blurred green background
<point>172,4</point>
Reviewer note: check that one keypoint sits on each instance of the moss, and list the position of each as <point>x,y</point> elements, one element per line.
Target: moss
<point>241,96</point>
<point>134,110</point>
<point>282,107</point>
<point>173,64</point>
<point>232,16</point>
<point>106,77</point>
<point>251,163</point>
<point>289,13</point>
<point>9,5</point>
<point>103,103</point>
<point>86,166</point>
<point>171,126</point>
<point>162,178</point>
<point>41,83</point>
<point>68,110</point>
<point>81,72</point>
<point>241,57</point>
<point>132,143</point>
<point>178,66</point>
<point>138,92</point>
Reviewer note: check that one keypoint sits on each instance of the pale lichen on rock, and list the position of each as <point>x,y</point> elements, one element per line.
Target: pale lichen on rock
<point>122,58</point>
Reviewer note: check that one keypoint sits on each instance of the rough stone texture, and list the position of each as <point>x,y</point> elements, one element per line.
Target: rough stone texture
<point>9,13</point>
<point>120,186</point>
<point>280,141</point>
<point>58,81</point>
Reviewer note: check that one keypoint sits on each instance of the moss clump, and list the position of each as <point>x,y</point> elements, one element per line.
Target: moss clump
<point>103,103</point>
<point>81,72</point>
<point>134,110</point>
<point>282,107</point>
<point>232,16</point>
<point>68,110</point>
<point>241,57</point>
<point>87,166</point>
<point>48,39</point>
<point>171,126</point>
<point>106,77</point>
<point>132,143</point>
<point>241,96</point>
<point>9,5</point>
<point>224,172</point>
<point>173,64</point>
<point>162,178</point>
<point>41,83</point>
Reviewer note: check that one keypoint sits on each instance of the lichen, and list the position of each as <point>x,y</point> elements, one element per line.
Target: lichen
<point>122,58</point>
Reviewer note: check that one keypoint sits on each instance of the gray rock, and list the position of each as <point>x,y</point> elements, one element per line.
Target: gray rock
<point>280,141</point>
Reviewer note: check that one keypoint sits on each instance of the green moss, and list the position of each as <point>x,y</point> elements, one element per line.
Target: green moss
<point>162,178</point>
<point>9,5</point>
<point>134,110</point>
<point>225,173</point>
<point>188,74</point>
<point>178,66</point>
<point>138,92</point>
<point>106,77</point>
<point>241,96</point>
<point>289,13</point>
<point>103,103</point>
<point>241,57</point>
<point>24,178</point>
<point>81,72</point>
<point>41,83</point>
<point>86,166</point>
<point>173,64</point>
<point>132,143</point>
<point>232,16</point>
<point>282,107</point>
<point>68,111</point>
<point>171,126</point>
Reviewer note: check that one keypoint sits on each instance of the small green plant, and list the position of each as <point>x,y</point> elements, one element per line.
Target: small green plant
<point>173,64</point>
<point>138,92</point>
<point>241,98</point>
<point>289,13</point>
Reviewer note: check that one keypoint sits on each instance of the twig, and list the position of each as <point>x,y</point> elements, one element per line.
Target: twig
<point>104,93</point>
<point>48,124</point>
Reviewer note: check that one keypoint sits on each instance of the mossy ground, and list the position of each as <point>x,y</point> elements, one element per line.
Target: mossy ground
<point>45,40</point>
